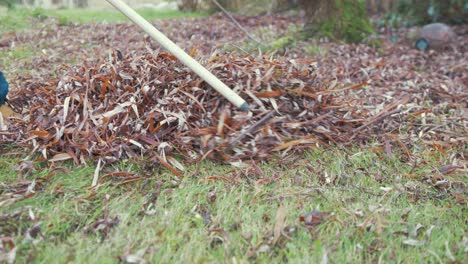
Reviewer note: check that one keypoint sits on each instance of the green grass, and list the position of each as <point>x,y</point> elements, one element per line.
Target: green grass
<point>86,16</point>
<point>14,20</point>
<point>172,220</point>
<point>19,19</point>
<point>24,53</point>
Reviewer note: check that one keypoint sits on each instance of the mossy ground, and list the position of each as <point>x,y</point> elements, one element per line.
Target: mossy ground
<point>350,24</point>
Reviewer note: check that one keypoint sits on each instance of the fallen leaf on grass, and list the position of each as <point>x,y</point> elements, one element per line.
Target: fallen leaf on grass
<point>464,244</point>
<point>136,258</point>
<point>376,245</point>
<point>60,157</point>
<point>447,169</point>
<point>212,196</point>
<point>263,249</point>
<point>96,174</point>
<point>103,226</point>
<point>449,253</point>
<point>118,174</point>
<point>415,231</point>
<point>374,221</point>
<point>32,233</point>
<point>279,223</point>
<point>413,242</point>
<point>428,232</point>
<point>130,179</point>
<point>20,190</point>
<point>169,166</point>
<point>132,259</point>
<point>25,166</point>
<point>219,236</point>
<point>459,198</point>
<point>314,218</point>
<point>7,250</point>
<point>442,184</point>
<point>292,143</point>
<point>214,178</point>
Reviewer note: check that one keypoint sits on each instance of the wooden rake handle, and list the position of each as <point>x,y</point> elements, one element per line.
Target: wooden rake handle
<point>201,71</point>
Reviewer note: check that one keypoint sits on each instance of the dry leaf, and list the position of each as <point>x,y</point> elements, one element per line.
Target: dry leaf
<point>279,223</point>
<point>60,157</point>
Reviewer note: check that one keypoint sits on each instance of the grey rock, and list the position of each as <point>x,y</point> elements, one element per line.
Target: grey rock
<point>437,36</point>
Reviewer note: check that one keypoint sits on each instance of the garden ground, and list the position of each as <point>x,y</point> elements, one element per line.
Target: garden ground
<point>396,192</point>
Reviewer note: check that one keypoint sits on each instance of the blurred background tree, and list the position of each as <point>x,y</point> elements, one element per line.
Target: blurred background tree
<point>347,20</point>
<point>80,3</point>
<point>245,7</point>
<point>8,3</point>
<point>45,3</point>
<point>419,11</point>
<point>428,11</point>
<point>189,5</point>
<point>336,19</point>
<point>422,11</point>
<point>407,12</point>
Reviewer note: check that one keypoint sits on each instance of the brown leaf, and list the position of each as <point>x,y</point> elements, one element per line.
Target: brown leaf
<point>212,196</point>
<point>169,167</point>
<point>60,157</point>
<point>447,169</point>
<point>41,134</point>
<point>280,220</point>
<point>270,94</point>
<point>314,218</point>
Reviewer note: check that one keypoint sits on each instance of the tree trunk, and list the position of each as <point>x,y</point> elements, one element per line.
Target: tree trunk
<point>425,11</point>
<point>188,5</point>
<point>80,3</point>
<point>380,6</point>
<point>336,19</point>
<point>316,12</point>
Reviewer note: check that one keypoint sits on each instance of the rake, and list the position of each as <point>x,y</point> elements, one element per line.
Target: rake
<point>201,71</point>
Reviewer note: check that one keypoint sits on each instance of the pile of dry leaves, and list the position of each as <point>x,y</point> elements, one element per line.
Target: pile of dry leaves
<point>152,104</point>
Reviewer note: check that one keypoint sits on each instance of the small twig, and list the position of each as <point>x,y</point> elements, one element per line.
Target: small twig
<point>253,128</point>
<point>235,22</point>
<point>413,167</point>
<point>355,131</point>
<point>13,107</point>
<point>383,114</point>
<point>240,48</point>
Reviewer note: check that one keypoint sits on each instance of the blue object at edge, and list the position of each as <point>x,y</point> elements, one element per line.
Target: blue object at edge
<point>3,88</point>
<point>422,44</point>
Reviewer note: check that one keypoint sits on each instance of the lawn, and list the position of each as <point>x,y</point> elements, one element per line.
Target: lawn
<point>382,200</point>
<point>363,207</point>
<point>22,18</point>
